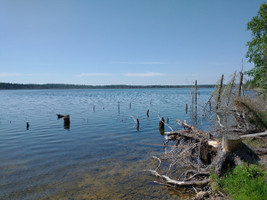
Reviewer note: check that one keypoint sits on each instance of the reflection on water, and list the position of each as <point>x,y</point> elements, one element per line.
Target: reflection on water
<point>102,156</point>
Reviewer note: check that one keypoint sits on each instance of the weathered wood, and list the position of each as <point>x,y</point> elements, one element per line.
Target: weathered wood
<point>231,88</point>
<point>137,124</point>
<point>161,124</point>
<point>27,125</point>
<point>176,183</point>
<point>195,113</point>
<point>240,84</point>
<point>231,142</point>
<point>147,113</point>
<point>181,133</point>
<point>66,121</point>
<point>60,116</point>
<point>254,135</point>
<point>219,93</point>
<point>207,152</point>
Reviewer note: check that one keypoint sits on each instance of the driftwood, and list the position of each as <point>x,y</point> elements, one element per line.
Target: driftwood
<point>197,153</point>
<point>170,181</point>
<point>254,135</point>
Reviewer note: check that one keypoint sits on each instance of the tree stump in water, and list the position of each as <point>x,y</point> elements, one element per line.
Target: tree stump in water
<point>231,142</point>
<point>161,123</point>
<point>66,120</point>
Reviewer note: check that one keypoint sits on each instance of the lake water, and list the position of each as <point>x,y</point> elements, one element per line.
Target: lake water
<point>101,156</point>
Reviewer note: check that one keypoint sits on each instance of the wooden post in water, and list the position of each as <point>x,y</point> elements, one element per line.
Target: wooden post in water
<point>66,121</point>
<point>147,113</point>
<point>118,107</point>
<point>161,124</point>
<point>186,108</point>
<point>240,84</point>
<point>27,125</point>
<point>195,103</point>
<point>137,124</point>
<point>219,93</point>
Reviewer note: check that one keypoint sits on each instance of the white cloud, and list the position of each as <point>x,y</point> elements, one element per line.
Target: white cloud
<point>147,74</point>
<point>94,74</point>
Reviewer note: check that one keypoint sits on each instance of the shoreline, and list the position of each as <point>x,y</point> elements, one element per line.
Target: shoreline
<point>17,86</point>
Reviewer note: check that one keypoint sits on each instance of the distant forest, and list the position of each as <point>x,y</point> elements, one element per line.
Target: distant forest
<point>16,86</point>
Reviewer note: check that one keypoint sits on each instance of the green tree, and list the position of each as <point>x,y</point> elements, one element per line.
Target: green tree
<point>257,48</point>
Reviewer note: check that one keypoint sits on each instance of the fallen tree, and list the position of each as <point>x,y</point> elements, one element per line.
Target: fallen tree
<point>189,163</point>
<point>197,154</point>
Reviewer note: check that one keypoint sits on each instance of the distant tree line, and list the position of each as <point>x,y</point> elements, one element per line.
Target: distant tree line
<point>17,86</point>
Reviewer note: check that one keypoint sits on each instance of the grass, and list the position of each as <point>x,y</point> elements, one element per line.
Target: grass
<point>254,142</point>
<point>245,182</point>
<point>263,115</point>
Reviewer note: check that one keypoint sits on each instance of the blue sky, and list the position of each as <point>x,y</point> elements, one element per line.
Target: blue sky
<point>135,42</point>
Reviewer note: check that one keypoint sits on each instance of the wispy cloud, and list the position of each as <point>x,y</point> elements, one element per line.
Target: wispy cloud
<point>147,74</point>
<point>9,74</point>
<point>94,74</point>
<point>143,63</point>
<point>4,74</point>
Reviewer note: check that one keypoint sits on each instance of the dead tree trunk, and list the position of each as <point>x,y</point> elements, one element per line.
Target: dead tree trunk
<point>231,142</point>
<point>240,84</point>
<point>231,89</point>
<point>195,116</point>
<point>219,93</point>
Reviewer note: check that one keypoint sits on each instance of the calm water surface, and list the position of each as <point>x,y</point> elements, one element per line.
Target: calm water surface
<point>101,156</point>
